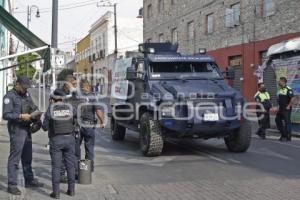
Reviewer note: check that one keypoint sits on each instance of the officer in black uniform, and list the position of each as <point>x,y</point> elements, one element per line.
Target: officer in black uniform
<point>285,101</point>
<point>18,106</point>
<point>263,97</point>
<point>88,120</point>
<point>69,90</point>
<point>59,121</point>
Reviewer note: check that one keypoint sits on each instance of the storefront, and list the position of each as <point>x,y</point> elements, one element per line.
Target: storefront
<point>284,61</point>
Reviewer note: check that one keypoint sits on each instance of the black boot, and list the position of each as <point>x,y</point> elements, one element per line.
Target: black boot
<point>283,139</point>
<point>54,195</point>
<point>289,138</point>
<point>33,184</point>
<point>71,193</point>
<point>14,190</point>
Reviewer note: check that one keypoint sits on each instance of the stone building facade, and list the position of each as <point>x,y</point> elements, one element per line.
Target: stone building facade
<point>236,32</point>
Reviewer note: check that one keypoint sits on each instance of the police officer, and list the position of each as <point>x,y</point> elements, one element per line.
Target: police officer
<point>18,106</point>
<point>285,101</point>
<point>59,121</point>
<point>69,90</point>
<point>263,97</point>
<point>88,120</point>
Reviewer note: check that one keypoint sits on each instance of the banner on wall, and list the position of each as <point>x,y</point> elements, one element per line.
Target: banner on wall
<point>290,68</point>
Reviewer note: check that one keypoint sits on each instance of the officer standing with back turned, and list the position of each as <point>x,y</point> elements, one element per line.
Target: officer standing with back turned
<point>59,121</point>
<point>263,97</point>
<point>18,106</point>
<point>285,101</point>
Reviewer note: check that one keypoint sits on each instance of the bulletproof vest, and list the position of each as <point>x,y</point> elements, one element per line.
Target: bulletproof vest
<point>61,119</point>
<point>88,111</point>
<point>26,106</point>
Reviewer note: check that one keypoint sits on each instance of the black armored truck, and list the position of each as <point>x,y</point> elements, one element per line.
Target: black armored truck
<point>162,93</point>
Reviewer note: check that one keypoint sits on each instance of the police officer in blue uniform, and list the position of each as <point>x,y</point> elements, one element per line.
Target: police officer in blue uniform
<point>18,106</point>
<point>88,117</point>
<point>285,102</point>
<point>263,97</point>
<point>59,121</point>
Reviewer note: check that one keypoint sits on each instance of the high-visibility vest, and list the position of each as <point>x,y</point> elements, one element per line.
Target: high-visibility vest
<point>284,91</point>
<point>263,96</point>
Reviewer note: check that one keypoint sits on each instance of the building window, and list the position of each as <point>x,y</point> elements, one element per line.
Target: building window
<point>191,31</point>
<point>209,23</point>
<point>263,57</point>
<point>161,38</point>
<point>269,8</point>
<point>173,2</point>
<point>160,6</point>
<point>236,13</point>
<point>149,11</point>
<point>174,35</point>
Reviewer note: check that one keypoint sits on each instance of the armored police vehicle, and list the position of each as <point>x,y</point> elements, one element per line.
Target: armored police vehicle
<point>163,94</point>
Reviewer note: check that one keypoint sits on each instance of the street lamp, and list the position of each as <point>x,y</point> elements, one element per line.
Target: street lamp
<point>29,12</point>
<point>37,15</point>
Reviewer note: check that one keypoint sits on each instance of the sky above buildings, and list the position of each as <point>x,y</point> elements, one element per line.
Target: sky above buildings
<point>75,17</point>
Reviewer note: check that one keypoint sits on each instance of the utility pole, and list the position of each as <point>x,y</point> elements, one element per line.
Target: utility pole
<point>54,23</point>
<point>116,30</point>
<point>115,24</point>
<point>54,39</point>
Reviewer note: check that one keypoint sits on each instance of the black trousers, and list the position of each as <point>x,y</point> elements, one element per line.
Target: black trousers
<point>62,151</point>
<point>20,149</point>
<point>283,122</point>
<point>263,122</point>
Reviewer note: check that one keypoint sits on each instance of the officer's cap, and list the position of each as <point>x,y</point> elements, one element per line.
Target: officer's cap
<point>24,81</point>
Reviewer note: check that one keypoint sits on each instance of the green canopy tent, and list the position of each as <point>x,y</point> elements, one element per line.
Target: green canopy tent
<point>27,37</point>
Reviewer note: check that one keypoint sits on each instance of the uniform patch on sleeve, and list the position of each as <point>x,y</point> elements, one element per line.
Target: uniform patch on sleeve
<point>6,101</point>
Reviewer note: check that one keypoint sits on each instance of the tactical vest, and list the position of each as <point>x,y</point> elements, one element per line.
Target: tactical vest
<point>88,111</point>
<point>61,121</point>
<point>26,108</point>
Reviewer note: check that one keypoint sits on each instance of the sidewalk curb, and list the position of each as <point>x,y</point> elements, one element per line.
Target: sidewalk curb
<point>275,132</point>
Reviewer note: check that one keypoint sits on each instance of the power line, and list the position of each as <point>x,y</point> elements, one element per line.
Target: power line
<point>68,6</point>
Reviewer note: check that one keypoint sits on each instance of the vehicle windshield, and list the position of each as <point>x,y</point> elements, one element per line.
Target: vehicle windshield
<point>185,70</point>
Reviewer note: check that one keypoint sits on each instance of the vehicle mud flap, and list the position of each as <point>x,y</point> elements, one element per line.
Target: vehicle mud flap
<point>117,131</point>
<point>151,139</point>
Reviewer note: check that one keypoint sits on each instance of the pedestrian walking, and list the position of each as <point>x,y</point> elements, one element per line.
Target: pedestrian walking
<point>17,109</point>
<point>90,112</point>
<point>263,98</point>
<point>283,116</point>
<point>59,122</point>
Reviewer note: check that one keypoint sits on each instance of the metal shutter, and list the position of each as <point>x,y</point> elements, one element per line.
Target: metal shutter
<point>237,82</point>
<point>271,83</point>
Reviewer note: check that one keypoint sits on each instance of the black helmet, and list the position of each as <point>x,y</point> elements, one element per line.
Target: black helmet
<point>58,94</point>
<point>35,126</point>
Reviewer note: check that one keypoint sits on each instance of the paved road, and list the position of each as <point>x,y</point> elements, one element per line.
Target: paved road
<point>186,170</point>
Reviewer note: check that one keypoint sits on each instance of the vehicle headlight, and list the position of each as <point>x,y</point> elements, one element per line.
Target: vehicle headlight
<point>168,111</point>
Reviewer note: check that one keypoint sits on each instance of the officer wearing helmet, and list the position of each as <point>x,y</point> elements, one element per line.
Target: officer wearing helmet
<point>17,109</point>
<point>59,122</point>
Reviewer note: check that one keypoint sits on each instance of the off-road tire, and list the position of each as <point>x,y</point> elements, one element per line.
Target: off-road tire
<point>117,131</point>
<point>239,141</point>
<point>151,139</point>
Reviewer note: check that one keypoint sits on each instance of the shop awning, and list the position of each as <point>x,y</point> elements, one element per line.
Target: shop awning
<point>286,46</point>
<point>26,36</point>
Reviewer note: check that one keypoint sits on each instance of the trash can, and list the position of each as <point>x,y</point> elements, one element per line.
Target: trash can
<point>85,172</point>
